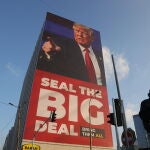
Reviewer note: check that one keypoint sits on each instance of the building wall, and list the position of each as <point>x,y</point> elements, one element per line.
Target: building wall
<point>54,146</point>
<point>141,133</point>
<point>18,128</point>
<point>8,141</point>
<point>25,115</point>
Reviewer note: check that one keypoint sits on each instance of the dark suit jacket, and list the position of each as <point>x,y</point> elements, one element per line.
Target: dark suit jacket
<point>69,61</point>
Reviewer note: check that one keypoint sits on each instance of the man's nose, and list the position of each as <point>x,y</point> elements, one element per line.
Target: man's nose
<point>80,33</point>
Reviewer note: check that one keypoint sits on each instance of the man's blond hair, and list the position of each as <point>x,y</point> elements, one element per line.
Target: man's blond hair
<point>77,25</point>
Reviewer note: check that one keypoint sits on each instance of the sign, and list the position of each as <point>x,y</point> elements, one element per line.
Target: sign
<point>61,82</point>
<point>29,147</point>
<point>130,137</point>
<point>72,100</point>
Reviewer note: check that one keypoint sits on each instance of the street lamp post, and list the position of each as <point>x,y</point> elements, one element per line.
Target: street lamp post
<point>90,125</point>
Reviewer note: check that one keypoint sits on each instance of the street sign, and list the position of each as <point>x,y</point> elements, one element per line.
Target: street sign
<point>130,137</point>
<point>30,146</point>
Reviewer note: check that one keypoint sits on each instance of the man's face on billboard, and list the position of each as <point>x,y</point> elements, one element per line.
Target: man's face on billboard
<point>83,36</point>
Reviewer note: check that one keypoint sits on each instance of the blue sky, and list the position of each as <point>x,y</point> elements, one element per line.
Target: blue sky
<point>125,33</point>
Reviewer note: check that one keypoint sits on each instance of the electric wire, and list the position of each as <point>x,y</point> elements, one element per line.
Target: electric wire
<point>5,126</point>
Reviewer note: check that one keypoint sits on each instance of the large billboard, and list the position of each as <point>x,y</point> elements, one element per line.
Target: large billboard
<point>70,79</point>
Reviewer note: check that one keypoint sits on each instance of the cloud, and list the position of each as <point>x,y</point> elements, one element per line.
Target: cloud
<point>110,108</point>
<point>121,64</point>
<point>12,68</point>
<point>107,62</point>
<point>129,114</point>
<point>130,110</point>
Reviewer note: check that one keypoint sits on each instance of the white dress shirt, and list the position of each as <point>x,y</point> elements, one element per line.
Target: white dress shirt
<point>95,63</point>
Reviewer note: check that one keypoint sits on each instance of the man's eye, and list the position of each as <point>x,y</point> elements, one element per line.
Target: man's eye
<point>76,30</point>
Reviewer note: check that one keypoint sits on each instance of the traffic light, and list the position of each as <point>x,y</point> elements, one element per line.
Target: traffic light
<point>53,116</point>
<point>118,112</point>
<point>111,119</point>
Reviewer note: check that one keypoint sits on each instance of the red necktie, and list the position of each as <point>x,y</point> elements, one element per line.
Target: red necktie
<point>90,67</point>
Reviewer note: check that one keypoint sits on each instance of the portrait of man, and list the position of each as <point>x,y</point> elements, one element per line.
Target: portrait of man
<point>74,58</point>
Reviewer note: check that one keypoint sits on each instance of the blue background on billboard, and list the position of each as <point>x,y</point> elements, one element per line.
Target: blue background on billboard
<point>56,28</point>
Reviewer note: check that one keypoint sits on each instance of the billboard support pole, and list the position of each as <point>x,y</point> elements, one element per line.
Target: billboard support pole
<point>122,107</point>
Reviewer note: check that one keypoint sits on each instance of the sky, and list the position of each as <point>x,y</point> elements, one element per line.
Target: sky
<point>125,32</point>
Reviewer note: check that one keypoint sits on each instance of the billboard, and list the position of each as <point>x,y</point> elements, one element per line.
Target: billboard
<point>70,79</point>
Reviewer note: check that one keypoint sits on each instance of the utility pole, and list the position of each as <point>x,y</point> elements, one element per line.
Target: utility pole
<point>122,107</point>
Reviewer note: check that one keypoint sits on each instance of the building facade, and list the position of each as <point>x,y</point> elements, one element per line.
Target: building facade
<point>143,139</point>
<point>58,79</point>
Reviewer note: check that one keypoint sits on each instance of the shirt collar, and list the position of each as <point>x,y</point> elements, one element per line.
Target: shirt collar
<point>83,48</point>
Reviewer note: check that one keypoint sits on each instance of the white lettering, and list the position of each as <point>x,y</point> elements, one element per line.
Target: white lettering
<point>63,129</point>
<point>73,108</point>
<point>54,84</point>
<point>52,127</point>
<point>39,125</point>
<point>45,82</point>
<point>63,86</point>
<point>72,131</point>
<point>49,98</point>
<point>85,106</point>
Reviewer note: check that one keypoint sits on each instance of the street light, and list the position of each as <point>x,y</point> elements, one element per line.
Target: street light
<point>90,119</point>
<point>13,105</point>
